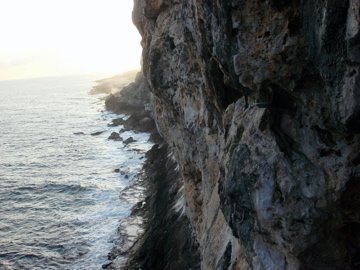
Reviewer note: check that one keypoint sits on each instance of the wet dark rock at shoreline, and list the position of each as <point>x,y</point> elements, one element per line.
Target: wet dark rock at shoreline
<point>162,189</point>
<point>116,122</point>
<point>159,247</point>
<point>167,241</point>
<point>129,140</point>
<point>132,100</point>
<point>97,133</point>
<point>115,136</point>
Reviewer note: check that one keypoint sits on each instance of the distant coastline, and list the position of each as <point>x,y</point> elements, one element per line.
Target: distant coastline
<point>114,83</point>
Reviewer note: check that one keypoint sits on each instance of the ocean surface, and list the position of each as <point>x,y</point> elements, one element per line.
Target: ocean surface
<point>59,194</point>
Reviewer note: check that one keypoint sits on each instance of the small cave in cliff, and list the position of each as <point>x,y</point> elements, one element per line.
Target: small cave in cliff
<point>353,124</point>
<point>280,4</point>
<point>225,91</point>
<point>282,100</point>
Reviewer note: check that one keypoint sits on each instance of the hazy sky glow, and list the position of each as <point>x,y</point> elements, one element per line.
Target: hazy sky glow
<point>63,37</point>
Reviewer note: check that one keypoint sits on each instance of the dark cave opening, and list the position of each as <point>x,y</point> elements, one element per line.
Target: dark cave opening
<point>226,93</point>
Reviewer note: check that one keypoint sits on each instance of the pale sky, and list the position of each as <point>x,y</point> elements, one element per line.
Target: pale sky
<point>40,38</point>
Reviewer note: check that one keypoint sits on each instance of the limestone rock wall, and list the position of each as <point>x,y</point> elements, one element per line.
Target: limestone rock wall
<point>259,101</point>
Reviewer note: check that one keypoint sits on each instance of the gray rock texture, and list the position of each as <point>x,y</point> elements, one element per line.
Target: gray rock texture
<point>259,101</point>
<point>133,100</point>
<point>130,98</point>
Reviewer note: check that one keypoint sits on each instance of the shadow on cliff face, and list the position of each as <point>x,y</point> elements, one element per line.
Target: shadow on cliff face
<point>339,248</point>
<point>167,242</point>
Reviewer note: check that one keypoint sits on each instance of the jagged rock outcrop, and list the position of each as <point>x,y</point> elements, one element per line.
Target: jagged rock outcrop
<point>130,98</point>
<point>260,103</point>
<point>133,100</point>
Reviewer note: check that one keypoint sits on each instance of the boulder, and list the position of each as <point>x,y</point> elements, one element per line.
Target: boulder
<point>115,136</point>
<point>129,140</point>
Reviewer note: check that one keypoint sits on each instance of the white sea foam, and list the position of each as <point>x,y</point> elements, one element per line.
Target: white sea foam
<point>59,194</point>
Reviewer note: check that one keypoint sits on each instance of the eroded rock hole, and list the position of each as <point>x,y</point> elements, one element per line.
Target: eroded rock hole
<point>284,142</point>
<point>325,136</point>
<point>171,43</point>
<point>280,4</point>
<point>226,94</point>
<point>282,100</point>
<point>294,26</point>
<point>353,124</point>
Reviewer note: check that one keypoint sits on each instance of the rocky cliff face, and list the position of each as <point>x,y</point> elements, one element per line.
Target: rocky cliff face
<point>260,103</point>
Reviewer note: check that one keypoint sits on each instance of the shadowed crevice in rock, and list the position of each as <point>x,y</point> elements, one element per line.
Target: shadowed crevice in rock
<point>225,261</point>
<point>167,242</point>
<point>339,245</point>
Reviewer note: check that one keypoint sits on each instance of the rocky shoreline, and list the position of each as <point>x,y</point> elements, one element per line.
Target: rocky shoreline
<point>167,241</point>
<point>157,234</point>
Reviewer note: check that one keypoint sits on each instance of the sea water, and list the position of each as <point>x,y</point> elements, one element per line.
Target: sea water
<point>59,193</point>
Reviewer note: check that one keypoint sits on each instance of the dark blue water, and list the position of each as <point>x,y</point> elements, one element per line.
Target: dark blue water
<point>59,195</point>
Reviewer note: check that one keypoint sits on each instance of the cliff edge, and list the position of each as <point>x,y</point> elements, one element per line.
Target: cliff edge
<point>259,102</point>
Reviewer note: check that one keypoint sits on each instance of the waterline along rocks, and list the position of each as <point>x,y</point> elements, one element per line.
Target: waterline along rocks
<point>166,241</point>
<point>259,101</point>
